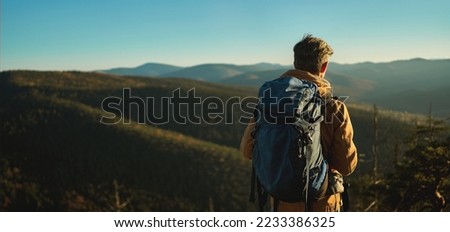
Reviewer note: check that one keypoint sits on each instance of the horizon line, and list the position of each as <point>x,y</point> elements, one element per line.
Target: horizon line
<point>218,63</point>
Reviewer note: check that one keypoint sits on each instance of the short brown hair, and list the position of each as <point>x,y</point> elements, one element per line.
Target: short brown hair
<point>310,53</point>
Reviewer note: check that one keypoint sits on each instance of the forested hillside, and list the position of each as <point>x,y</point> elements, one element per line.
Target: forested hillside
<point>59,150</point>
<point>56,155</point>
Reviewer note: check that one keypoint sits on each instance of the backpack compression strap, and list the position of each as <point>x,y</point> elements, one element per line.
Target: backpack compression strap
<point>304,140</point>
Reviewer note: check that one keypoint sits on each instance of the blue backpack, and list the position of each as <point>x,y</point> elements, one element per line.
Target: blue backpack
<point>287,155</point>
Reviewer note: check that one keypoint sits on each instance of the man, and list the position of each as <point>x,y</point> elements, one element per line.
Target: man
<point>311,57</point>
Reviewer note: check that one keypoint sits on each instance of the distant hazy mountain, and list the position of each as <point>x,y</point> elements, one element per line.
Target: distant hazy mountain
<point>400,74</point>
<point>220,72</point>
<point>408,85</point>
<point>148,69</point>
<point>262,67</point>
<point>254,78</point>
<point>205,72</point>
<point>346,85</point>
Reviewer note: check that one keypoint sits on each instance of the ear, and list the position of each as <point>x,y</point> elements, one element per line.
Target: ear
<point>295,64</point>
<point>324,67</point>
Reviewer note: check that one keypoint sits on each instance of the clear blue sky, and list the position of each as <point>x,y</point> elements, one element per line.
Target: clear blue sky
<point>99,34</point>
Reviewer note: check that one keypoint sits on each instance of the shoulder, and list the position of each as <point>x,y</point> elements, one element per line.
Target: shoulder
<point>336,109</point>
<point>336,103</point>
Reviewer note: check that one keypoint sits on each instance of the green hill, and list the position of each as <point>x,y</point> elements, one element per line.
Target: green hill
<point>59,144</point>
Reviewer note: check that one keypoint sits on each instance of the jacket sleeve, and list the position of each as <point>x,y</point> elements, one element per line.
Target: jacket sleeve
<point>343,152</point>
<point>246,147</point>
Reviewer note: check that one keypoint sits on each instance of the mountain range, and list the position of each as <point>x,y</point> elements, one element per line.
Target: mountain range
<point>415,85</point>
<point>206,72</point>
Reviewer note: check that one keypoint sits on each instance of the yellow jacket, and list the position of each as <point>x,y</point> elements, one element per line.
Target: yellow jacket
<point>337,142</point>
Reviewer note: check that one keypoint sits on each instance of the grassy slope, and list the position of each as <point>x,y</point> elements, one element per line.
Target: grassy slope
<point>61,144</point>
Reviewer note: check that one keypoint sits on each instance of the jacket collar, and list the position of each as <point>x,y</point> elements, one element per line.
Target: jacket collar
<point>324,86</point>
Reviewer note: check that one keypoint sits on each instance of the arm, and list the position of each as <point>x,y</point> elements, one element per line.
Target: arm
<point>341,148</point>
<point>246,147</point>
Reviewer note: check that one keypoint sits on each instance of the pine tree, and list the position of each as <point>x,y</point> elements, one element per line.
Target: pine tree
<point>421,181</point>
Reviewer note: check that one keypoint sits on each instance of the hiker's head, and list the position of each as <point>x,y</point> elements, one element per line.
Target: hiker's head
<point>311,54</point>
